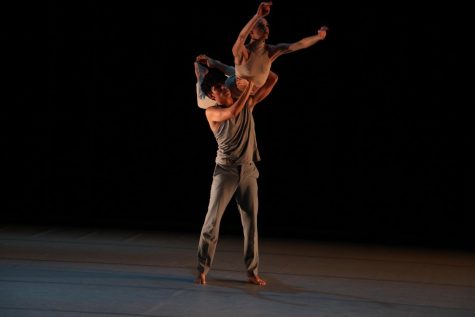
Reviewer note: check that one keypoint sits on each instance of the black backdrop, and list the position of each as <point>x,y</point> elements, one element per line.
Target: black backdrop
<point>362,137</point>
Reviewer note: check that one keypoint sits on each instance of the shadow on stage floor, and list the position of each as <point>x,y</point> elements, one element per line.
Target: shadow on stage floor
<point>85,271</point>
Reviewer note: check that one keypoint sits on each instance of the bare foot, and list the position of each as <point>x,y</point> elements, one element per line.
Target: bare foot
<point>201,278</point>
<point>257,280</point>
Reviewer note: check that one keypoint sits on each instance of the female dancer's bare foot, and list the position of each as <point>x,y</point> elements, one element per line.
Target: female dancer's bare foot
<point>255,279</point>
<point>201,278</point>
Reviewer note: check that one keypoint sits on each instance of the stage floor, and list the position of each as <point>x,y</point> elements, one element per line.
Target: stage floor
<point>59,271</point>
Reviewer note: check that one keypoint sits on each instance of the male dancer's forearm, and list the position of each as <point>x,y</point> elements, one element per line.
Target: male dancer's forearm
<point>237,107</point>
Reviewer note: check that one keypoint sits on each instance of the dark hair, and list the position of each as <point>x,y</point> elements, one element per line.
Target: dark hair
<point>213,78</point>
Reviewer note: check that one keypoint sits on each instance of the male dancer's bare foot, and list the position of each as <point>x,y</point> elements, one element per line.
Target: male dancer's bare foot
<point>201,278</point>
<point>255,279</point>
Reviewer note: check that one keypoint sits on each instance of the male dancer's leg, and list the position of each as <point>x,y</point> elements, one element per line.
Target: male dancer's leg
<point>225,180</point>
<point>247,198</point>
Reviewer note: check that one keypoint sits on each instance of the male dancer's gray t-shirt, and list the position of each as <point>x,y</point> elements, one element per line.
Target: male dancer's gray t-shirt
<point>236,139</point>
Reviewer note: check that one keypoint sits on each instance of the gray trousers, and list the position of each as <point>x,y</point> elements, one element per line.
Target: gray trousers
<point>239,181</point>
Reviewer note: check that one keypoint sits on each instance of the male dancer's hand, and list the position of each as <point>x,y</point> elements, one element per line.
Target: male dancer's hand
<point>200,71</point>
<point>203,59</point>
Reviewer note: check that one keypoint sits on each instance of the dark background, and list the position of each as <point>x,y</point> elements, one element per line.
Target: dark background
<point>364,137</point>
